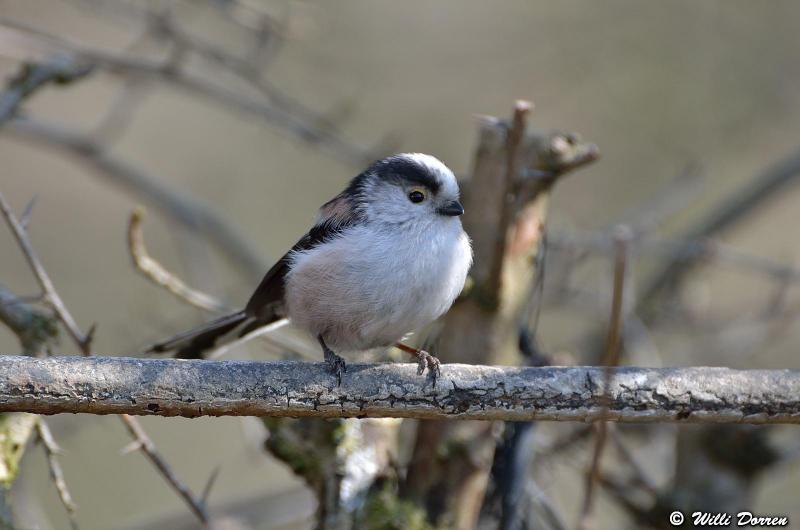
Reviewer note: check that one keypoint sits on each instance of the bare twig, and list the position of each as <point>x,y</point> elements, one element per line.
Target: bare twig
<point>212,479</point>
<point>156,272</point>
<point>257,23</point>
<point>672,198</point>
<point>742,202</point>
<point>172,387</point>
<point>149,449</point>
<point>50,294</point>
<point>592,476</point>
<point>679,250</point>
<point>166,27</point>
<point>624,451</point>
<point>623,496</point>
<point>84,343</point>
<point>34,329</point>
<point>169,73</point>
<point>548,510</point>
<point>189,211</point>
<point>515,136</point>
<point>564,442</point>
<point>622,236</point>
<point>25,218</point>
<point>56,473</point>
<point>59,69</point>
<point>120,112</point>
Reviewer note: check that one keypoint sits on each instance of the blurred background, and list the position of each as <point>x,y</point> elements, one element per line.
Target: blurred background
<point>689,102</point>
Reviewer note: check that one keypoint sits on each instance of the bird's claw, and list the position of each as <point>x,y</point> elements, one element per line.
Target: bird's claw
<point>426,360</point>
<point>336,365</point>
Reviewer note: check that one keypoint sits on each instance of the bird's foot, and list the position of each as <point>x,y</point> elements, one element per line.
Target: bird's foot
<point>426,360</point>
<point>336,365</point>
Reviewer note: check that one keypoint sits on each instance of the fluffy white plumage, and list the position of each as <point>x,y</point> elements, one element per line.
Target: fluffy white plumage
<point>396,272</point>
<point>385,257</point>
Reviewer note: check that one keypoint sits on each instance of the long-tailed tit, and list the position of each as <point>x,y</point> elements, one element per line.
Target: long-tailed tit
<point>386,256</point>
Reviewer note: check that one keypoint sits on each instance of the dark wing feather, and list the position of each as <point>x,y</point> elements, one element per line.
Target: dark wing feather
<point>266,304</point>
<point>335,217</point>
<point>268,296</point>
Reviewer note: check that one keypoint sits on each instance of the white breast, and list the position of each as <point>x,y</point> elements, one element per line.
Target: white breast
<point>369,287</point>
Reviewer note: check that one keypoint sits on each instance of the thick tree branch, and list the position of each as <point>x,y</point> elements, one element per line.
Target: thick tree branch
<point>173,387</point>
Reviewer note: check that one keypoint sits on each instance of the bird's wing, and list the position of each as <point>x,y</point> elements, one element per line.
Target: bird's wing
<point>335,216</point>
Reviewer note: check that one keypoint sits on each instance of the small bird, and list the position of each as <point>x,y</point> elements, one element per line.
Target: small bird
<point>386,256</point>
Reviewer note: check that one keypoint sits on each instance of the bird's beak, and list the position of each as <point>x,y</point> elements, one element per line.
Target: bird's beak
<point>451,209</point>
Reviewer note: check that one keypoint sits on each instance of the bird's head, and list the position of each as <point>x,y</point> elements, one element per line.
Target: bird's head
<point>409,187</point>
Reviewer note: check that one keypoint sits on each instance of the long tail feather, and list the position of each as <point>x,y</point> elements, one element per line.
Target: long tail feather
<point>192,343</point>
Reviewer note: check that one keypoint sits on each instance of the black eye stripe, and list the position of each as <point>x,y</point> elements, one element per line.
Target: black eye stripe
<point>399,170</point>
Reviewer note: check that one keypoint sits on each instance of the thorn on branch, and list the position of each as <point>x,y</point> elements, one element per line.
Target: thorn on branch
<point>131,447</point>
<point>212,479</point>
<point>25,218</point>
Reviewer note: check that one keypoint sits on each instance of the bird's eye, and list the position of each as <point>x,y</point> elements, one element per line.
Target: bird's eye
<point>416,196</point>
